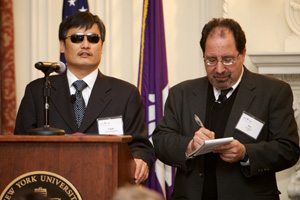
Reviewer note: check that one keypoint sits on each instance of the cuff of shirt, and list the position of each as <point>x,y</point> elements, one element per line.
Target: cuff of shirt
<point>245,163</point>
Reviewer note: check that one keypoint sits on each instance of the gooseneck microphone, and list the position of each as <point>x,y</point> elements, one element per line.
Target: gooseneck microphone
<point>49,67</point>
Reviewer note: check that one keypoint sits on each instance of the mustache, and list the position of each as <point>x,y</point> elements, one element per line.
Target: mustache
<point>224,74</point>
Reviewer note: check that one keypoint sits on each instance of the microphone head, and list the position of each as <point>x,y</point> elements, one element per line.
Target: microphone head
<point>39,65</point>
<point>62,68</point>
<point>49,67</point>
<point>58,67</point>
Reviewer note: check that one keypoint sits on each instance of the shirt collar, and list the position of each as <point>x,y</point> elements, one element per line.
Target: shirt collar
<point>89,79</point>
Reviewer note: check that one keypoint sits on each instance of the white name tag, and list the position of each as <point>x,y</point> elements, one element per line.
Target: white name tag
<point>249,125</point>
<point>110,126</point>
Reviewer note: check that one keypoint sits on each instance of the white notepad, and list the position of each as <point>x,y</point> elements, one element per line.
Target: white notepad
<point>209,145</point>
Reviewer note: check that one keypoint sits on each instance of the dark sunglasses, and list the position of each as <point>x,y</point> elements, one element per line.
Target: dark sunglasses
<point>79,37</point>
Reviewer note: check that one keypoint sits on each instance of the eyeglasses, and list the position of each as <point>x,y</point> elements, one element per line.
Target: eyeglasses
<point>224,61</point>
<point>79,37</point>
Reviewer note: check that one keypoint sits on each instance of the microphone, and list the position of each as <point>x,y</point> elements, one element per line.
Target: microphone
<point>58,67</point>
<point>73,98</point>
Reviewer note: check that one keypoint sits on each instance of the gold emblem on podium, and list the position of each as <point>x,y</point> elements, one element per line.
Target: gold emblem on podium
<point>46,184</point>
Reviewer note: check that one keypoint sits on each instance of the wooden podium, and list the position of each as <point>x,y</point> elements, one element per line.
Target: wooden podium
<point>95,165</point>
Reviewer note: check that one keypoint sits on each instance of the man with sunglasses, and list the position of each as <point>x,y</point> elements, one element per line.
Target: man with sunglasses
<point>81,38</point>
<point>231,101</point>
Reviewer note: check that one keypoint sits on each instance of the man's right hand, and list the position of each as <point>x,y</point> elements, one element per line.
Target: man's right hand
<point>199,136</point>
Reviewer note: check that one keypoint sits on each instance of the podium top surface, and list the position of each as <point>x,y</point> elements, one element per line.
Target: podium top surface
<point>65,138</point>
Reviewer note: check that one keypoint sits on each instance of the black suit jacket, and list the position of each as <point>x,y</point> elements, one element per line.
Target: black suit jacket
<point>109,97</point>
<point>275,149</point>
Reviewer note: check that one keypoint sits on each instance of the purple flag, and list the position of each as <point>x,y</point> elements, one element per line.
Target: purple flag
<point>153,86</point>
<point>70,7</point>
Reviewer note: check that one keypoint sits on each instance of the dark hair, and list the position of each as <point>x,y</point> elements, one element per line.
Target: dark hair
<point>81,20</point>
<point>233,26</point>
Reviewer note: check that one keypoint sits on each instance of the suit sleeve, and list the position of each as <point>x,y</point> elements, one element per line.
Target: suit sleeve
<point>134,125</point>
<point>280,150</point>
<point>26,117</point>
<point>169,142</point>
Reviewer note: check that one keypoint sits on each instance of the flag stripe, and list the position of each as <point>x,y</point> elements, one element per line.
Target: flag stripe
<point>145,11</point>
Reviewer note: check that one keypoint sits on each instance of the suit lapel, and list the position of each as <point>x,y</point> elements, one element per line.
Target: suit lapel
<point>98,100</point>
<point>60,97</point>
<point>244,97</point>
<point>198,101</point>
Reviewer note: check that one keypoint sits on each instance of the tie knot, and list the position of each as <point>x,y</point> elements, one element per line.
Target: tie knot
<point>224,92</point>
<point>79,85</point>
<point>222,96</point>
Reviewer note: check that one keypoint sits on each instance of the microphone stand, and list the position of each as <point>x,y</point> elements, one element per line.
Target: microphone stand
<point>46,129</point>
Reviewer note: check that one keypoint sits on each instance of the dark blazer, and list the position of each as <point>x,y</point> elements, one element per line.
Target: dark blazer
<point>275,149</point>
<point>109,97</point>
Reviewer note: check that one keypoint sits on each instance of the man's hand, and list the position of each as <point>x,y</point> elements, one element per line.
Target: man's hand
<point>141,171</point>
<point>199,136</point>
<point>232,152</point>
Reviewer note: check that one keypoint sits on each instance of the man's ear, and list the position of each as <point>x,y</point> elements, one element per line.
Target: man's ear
<point>244,52</point>
<point>62,46</point>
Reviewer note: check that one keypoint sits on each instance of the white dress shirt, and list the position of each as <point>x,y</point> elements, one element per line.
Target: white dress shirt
<point>89,80</point>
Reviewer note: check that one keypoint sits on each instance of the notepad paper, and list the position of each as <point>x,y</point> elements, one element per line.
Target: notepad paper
<point>209,145</point>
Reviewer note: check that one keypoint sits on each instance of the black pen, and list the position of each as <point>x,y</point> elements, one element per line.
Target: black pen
<point>198,121</point>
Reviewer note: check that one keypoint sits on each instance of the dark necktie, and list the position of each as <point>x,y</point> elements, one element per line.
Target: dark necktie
<point>79,105</point>
<point>222,96</point>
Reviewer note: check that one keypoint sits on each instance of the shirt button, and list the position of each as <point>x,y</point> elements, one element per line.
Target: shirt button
<point>200,174</point>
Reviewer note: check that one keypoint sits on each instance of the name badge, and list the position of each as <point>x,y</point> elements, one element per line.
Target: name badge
<point>110,126</point>
<point>249,125</point>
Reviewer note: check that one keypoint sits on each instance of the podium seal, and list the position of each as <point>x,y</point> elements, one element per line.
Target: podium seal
<point>47,184</point>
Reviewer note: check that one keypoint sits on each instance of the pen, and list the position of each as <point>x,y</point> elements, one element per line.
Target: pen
<point>198,121</point>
